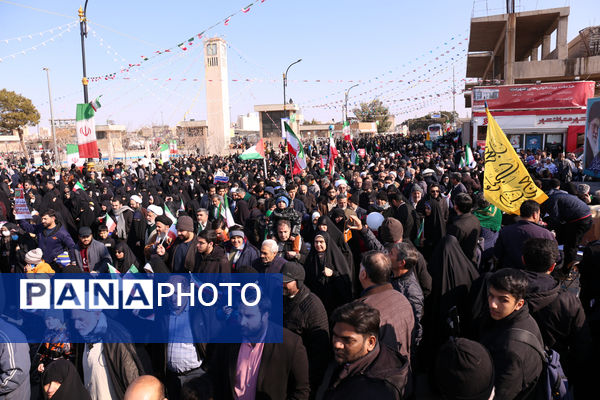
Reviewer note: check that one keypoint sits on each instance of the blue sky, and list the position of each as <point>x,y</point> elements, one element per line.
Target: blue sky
<point>378,42</point>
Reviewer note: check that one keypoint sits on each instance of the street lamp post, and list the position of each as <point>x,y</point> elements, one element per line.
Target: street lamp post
<point>56,158</point>
<point>83,31</point>
<point>285,83</point>
<point>346,101</point>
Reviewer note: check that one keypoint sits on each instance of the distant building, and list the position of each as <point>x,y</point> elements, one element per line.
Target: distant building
<point>525,78</point>
<point>248,122</point>
<point>193,136</point>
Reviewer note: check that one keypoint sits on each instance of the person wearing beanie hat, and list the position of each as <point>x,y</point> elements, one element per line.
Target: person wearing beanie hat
<point>464,370</point>
<point>185,223</point>
<point>305,315</point>
<point>35,263</point>
<point>239,251</point>
<point>182,254</point>
<point>282,199</point>
<point>391,231</point>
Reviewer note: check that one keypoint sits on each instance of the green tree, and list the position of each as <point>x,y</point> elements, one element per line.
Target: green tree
<point>16,112</point>
<point>374,111</point>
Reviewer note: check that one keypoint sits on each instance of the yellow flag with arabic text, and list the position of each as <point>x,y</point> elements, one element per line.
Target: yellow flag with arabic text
<point>506,182</point>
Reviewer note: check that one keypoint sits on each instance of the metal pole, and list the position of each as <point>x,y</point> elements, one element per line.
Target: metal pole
<point>284,98</point>
<point>453,94</point>
<point>56,155</point>
<point>285,82</point>
<point>83,31</point>
<point>346,100</point>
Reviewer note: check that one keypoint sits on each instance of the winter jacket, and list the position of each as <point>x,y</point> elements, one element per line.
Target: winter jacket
<point>14,364</point>
<point>407,285</point>
<point>562,207</point>
<point>305,315</point>
<point>397,320</point>
<point>215,262</point>
<point>421,272</point>
<point>125,362</point>
<point>52,241</point>
<point>509,245</point>
<point>98,257</point>
<point>517,365</point>
<point>382,374</point>
<point>272,267</point>
<point>248,256</point>
<point>562,322</point>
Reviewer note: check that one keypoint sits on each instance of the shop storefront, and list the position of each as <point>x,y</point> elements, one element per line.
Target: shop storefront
<point>546,116</point>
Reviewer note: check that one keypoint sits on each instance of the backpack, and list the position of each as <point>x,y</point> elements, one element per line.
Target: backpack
<point>552,383</point>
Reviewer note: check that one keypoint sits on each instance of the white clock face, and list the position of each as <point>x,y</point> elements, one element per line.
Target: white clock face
<point>211,49</point>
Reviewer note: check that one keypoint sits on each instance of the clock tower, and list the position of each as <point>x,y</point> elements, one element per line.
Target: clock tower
<point>217,96</point>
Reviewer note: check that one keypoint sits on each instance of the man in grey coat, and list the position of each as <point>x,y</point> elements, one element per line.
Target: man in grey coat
<point>91,254</point>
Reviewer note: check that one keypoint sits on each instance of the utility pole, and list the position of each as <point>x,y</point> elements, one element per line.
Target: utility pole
<point>285,83</point>
<point>56,156</point>
<point>346,102</point>
<point>453,92</point>
<point>83,32</point>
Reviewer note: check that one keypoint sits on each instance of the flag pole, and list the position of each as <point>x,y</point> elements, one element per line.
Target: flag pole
<point>265,166</point>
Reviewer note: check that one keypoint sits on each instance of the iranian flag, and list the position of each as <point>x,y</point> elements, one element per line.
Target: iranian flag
<point>78,186</point>
<point>86,131</point>
<point>469,160</point>
<point>255,152</point>
<point>113,271</point>
<point>173,147</point>
<point>295,149</point>
<point>73,155</point>
<point>169,214</point>
<point>164,152</point>
<point>322,163</point>
<point>172,232</point>
<point>346,131</point>
<point>110,223</point>
<point>332,154</point>
<point>225,212</point>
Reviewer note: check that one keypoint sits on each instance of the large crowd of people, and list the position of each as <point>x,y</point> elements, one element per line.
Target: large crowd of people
<point>400,280</point>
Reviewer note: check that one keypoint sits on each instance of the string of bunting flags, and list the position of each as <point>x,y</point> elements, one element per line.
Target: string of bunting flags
<point>393,92</point>
<point>454,41</point>
<point>182,46</point>
<point>41,44</point>
<point>41,34</point>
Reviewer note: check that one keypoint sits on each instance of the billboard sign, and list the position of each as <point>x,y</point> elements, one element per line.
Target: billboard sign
<point>591,157</point>
<point>544,95</point>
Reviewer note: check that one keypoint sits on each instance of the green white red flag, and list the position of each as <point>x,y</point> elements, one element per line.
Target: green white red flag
<point>73,155</point>
<point>332,154</point>
<point>86,131</point>
<point>110,223</point>
<point>346,131</point>
<point>295,149</point>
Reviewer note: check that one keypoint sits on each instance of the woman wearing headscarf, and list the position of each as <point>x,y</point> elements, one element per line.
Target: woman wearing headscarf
<point>62,382</point>
<point>325,224</point>
<point>328,274</point>
<point>124,257</point>
<point>434,210</point>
